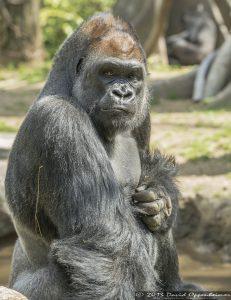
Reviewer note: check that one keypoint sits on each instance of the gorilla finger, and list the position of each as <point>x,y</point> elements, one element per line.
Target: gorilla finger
<point>162,193</point>
<point>144,196</point>
<point>168,206</point>
<point>153,222</point>
<point>141,188</point>
<point>152,208</point>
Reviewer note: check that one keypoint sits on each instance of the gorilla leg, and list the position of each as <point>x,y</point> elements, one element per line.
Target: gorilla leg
<point>36,282</point>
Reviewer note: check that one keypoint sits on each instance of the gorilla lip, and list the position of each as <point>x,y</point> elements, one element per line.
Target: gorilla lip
<point>116,109</point>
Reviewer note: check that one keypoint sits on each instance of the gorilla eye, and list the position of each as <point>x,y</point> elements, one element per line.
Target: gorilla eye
<point>134,77</point>
<point>131,76</point>
<point>79,65</point>
<point>108,73</point>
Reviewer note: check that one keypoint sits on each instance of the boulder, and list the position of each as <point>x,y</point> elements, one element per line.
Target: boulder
<point>9,294</point>
<point>6,226</point>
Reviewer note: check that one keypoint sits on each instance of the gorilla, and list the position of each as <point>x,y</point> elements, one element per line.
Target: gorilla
<point>93,207</point>
<point>198,39</point>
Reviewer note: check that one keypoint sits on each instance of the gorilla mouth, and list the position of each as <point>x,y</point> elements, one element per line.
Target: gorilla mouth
<point>117,109</point>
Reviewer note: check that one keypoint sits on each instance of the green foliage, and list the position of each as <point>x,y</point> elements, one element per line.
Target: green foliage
<point>198,150</point>
<point>60,17</point>
<point>34,74</point>
<point>205,147</point>
<point>6,128</point>
<point>156,65</point>
<point>29,73</point>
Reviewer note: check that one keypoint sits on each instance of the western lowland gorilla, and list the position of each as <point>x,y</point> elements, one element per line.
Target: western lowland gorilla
<point>197,40</point>
<point>93,208</point>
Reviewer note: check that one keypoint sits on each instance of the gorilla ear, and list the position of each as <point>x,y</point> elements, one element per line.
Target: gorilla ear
<point>79,65</point>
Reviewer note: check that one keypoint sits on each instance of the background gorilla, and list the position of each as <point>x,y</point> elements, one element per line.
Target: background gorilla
<point>80,157</point>
<point>197,40</point>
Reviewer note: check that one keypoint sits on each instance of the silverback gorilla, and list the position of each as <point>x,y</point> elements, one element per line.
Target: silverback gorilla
<point>93,208</point>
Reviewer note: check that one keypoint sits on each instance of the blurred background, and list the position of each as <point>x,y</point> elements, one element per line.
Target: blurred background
<point>188,46</point>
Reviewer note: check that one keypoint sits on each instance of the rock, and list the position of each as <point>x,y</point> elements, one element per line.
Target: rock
<point>8,294</point>
<point>188,219</point>
<point>6,226</point>
<point>207,221</point>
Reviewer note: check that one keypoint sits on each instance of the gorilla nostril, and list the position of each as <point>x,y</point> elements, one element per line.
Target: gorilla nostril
<point>123,94</point>
<point>117,93</point>
<point>128,94</point>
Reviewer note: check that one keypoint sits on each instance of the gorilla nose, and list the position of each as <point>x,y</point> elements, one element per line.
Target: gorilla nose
<point>122,93</point>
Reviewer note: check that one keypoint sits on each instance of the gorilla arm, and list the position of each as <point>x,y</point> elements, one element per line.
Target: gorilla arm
<point>157,194</point>
<point>156,198</point>
<point>63,150</point>
<point>60,184</point>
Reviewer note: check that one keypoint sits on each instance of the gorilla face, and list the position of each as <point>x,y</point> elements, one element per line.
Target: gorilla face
<point>110,83</point>
<point>111,91</point>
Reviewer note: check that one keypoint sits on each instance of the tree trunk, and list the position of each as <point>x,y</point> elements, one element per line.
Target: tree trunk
<point>202,72</point>
<point>157,31</point>
<point>138,13</point>
<point>19,31</point>
<point>179,87</point>
<point>219,19</point>
<point>149,18</point>
<point>225,9</point>
<point>220,72</point>
<point>222,99</point>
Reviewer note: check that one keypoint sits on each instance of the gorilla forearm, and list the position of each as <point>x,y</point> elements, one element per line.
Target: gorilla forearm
<point>157,183</point>
<point>167,262</point>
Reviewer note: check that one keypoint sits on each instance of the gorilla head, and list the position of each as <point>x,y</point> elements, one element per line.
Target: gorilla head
<point>108,73</point>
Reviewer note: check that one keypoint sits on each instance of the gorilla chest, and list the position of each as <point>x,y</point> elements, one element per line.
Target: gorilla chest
<point>125,161</point>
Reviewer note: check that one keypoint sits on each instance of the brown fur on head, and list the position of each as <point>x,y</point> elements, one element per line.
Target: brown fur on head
<point>99,24</point>
<point>112,37</point>
<point>120,45</point>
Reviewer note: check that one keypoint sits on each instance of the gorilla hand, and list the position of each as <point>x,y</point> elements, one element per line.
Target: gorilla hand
<point>155,205</point>
<point>157,195</point>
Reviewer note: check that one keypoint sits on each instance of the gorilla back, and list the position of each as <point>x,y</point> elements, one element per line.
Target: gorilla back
<point>78,158</point>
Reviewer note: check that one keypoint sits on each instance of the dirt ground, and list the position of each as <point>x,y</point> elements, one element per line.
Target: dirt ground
<point>199,139</point>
